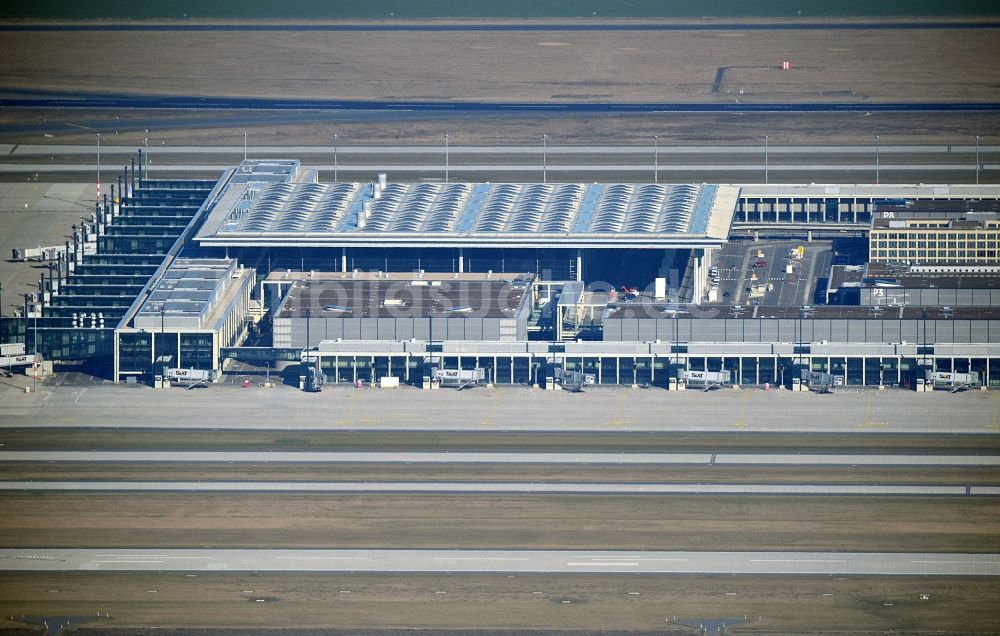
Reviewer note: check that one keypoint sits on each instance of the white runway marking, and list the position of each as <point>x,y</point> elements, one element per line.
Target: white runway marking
<point>561,488</point>
<point>510,561</point>
<point>798,561</point>
<point>458,457</point>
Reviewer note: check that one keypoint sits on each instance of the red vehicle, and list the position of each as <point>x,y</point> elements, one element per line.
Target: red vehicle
<point>761,263</point>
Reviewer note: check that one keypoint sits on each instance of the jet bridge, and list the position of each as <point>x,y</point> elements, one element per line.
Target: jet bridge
<point>705,380</point>
<point>458,378</point>
<point>953,381</point>
<point>13,355</point>
<point>821,382</point>
<point>573,380</point>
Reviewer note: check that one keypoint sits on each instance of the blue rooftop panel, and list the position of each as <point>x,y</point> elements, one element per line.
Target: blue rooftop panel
<point>702,209</point>
<point>350,222</point>
<point>587,207</point>
<point>476,200</point>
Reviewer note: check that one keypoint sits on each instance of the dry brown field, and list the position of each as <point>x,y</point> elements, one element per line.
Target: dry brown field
<point>937,65</point>
<point>74,126</point>
<point>772,605</point>
<point>292,520</point>
<point>829,65</point>
<point>60,438</point>
<point>361,472</point>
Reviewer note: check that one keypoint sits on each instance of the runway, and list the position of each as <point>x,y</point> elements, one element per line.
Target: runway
<point>18,98</point>
<point>571,162</point>
<point>503,561</point>
<point>457,457</point>
<point>533,168</point>
<point>19,150</point>
<point>527,26</point>
<point>534,488</point>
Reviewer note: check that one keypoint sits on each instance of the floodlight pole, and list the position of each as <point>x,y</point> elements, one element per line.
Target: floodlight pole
<point>446,166</point>
<point>244,145</point>
<point>145,142</point>
<point>335,157</point>
<point>765,158</point>
<point>544,158</point>
<point>34,373</point>
<point>98,166</point>
<point>977,159</point>
<point>163,309</point>
<point>876,160</point>
<point>656,159</point>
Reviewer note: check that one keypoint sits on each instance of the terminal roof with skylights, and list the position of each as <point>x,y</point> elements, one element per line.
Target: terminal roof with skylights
<point>299,212</point>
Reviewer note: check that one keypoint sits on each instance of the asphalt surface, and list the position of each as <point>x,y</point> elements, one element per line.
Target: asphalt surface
<point>533,168</point>
<point>728,163</point>
<point>526,26</point>
<point>534,488</point>
<point>502,561</point>
<point>17,150</point>
<point>459,457</point>
<point>500,409</point>
<point>17,98</point>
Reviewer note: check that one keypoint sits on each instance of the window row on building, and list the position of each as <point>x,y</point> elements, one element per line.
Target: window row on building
<point>654,370</point>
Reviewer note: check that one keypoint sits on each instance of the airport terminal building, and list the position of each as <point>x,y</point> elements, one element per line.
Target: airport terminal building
<point>628,283</point>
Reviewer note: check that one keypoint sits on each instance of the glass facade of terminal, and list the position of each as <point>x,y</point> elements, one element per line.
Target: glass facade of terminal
<point>936,242</point>
<point>656,371</point>
<point>74,315</point>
